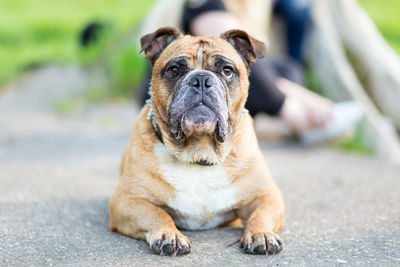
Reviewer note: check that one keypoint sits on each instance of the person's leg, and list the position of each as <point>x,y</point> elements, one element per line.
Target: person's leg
<point>297,17</point>
<point>264,96</point>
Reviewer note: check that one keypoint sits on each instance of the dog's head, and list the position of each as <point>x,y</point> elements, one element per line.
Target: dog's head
<point>199,87</point>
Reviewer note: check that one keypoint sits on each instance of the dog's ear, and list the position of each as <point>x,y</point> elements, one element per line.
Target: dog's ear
<point>248,47</point>
<point>154,43</point>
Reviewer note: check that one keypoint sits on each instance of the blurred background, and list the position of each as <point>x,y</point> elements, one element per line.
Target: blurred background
<point>101,39</point>
<point>71,73</point>
<point>39,33</point>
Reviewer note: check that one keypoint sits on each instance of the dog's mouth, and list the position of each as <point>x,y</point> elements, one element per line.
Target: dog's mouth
<point>199,120</point>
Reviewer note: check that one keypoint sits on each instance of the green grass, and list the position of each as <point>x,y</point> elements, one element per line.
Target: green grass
<point>356,142</point>
<point>386,15</point>
<point>37,32</point>
<point>68,105</point>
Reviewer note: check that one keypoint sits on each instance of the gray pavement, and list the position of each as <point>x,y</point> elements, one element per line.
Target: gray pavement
<point>57,172</point>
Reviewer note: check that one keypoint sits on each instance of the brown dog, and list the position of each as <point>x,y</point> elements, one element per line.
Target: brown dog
<point>193,160</point>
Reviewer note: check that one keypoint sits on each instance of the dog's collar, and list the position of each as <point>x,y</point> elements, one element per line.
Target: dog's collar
<point>152,118</point>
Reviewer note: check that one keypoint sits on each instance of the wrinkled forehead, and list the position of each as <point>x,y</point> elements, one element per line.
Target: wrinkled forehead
<point>200,51</point>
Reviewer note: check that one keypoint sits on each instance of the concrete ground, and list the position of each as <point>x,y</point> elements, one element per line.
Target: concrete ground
<point>57,172</point>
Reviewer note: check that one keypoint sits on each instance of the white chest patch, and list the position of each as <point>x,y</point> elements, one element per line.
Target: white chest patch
<point>204,196</point>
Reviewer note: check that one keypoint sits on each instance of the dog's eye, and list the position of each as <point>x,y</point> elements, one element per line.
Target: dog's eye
<point>173,71</point>
<point>227,72</point>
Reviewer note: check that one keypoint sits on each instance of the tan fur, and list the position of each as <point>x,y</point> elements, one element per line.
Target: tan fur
<point>139,206</point>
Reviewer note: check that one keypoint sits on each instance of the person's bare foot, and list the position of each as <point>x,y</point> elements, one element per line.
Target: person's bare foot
<point>303,110</point>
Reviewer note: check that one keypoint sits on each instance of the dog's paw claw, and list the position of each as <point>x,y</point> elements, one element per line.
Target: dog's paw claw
<point>183,250</point>
<point>171,243</point>
<point>156,246</point>
<point>261,243</point>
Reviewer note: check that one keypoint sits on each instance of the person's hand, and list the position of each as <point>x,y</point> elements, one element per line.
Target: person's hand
<point>302,109</point>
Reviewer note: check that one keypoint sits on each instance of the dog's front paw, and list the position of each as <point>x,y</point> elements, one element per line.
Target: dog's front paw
<point>261,243</point>
<point>169,242</point>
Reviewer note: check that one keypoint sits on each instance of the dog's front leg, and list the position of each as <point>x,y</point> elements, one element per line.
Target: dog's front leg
<point>262,216</point>
<point>141,219</point>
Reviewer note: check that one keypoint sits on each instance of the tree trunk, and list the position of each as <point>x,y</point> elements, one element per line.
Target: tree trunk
<point>341,26</point>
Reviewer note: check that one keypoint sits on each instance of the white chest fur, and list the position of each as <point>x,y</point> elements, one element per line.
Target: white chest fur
<point>204,195</point>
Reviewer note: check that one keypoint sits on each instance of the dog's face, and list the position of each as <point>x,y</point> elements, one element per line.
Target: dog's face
<point>199,85</point>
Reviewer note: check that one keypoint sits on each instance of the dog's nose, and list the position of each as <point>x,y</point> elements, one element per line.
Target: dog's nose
<point>201,83</point>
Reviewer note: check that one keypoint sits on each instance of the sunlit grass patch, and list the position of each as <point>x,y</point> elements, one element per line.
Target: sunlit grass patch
<point>386,16</point>
<point>37,32</point>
